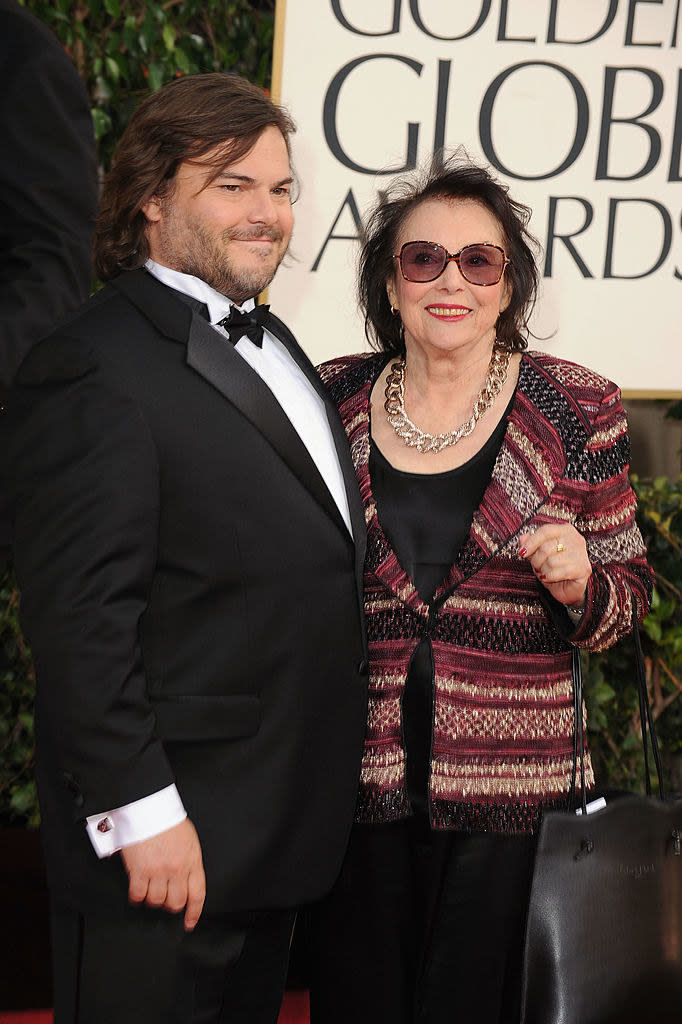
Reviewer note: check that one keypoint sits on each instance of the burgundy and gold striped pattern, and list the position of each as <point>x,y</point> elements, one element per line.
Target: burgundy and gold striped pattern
<point>503,719</point>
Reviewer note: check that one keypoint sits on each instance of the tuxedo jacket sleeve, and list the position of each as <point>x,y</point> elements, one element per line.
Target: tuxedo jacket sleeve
<point>48,182</point>
<point>86,535</point>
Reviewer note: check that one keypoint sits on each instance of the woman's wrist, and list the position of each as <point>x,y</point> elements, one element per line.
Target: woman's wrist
<point>576,611</point>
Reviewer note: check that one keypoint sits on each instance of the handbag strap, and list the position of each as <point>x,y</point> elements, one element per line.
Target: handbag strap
<point>645,715</point>
<point>645,712</point>
<point>578,732</point>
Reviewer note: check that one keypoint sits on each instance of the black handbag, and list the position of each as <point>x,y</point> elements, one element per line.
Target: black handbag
<point>604,932</point>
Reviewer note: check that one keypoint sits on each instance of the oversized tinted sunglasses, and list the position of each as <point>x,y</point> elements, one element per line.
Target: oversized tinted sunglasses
<point>481,263</point>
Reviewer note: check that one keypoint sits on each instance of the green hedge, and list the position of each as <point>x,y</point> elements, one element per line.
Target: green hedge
<point>610,682</point>
<point>125,49</point>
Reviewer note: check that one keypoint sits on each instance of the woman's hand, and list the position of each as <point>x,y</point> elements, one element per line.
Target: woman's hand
<point>558,556</point>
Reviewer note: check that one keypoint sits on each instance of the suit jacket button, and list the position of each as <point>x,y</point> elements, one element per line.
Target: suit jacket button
<point>363,667</point>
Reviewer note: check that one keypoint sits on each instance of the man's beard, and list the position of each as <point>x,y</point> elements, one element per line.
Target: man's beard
<point>207,258</point>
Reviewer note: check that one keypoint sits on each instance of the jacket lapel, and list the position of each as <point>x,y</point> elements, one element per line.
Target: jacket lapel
<point>381,560</point>
<point>210,355</point>
<point>357,517</point>
<point>543,424</point>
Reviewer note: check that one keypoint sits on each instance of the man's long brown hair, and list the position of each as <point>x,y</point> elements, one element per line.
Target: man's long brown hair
<point>182,121</point>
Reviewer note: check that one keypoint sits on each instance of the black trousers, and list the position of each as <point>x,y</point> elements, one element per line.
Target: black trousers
<point>422,928</point>
<point>139,966</point>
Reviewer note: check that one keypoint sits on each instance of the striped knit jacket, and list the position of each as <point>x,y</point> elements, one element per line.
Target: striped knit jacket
<point>503,714</point>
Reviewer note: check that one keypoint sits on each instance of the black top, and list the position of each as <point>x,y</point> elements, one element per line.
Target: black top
<point>426,518</point>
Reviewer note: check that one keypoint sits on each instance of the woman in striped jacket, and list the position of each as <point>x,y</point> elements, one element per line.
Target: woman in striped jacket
<point>501,535</point>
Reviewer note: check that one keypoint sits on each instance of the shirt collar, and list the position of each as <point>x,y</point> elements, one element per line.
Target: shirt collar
<point>219,305</point>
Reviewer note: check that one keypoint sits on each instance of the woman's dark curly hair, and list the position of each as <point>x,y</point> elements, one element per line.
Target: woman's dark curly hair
<point>451,179</point>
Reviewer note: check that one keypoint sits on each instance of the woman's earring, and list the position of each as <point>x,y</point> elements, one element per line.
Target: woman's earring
<point>401,326</point>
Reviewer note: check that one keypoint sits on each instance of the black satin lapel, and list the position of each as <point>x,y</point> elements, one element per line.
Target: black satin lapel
<point>169,310</point>
<point>216,360</point>
<point>355,507</point>
<point>542,424</point>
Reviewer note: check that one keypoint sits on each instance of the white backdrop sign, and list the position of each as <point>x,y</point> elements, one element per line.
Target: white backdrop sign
<point>575,104</point>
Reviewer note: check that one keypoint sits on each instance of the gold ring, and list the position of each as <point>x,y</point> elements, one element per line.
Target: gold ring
<point>559,546</point>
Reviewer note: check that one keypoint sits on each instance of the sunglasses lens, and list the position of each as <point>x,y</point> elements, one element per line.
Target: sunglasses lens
<point>422,261</point>
<point>481,264</point>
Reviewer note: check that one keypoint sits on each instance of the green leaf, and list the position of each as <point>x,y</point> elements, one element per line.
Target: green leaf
<point>631,742</point>
<point>112,68</point>
<point>23,798</point>
<point>101,122</point>
<point>148,33</point>
<point>602,693</point>
<point>123,66</point>
<point>183,62</point>
<point>653,629</point>
<point>113,8</point>
<point>155,79</point>
<point>666,608</point>
<point>598,720</point>
<point>169,35</point>
<point>103,91</point>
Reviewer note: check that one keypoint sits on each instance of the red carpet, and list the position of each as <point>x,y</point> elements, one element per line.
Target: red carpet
<point>294,1011</point>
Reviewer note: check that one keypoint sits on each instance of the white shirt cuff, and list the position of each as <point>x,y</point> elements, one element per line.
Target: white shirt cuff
<point>111,831</point>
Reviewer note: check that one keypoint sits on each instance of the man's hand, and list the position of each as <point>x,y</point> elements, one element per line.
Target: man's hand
<point>168,871</point>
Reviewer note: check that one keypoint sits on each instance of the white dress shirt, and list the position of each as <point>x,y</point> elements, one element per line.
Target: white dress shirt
<point>111,830</point>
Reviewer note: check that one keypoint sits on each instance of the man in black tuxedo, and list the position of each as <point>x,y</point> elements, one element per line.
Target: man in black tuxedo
<point>189,544</point>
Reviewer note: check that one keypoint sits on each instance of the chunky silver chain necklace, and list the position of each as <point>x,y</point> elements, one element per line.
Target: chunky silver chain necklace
<point>419,439</point>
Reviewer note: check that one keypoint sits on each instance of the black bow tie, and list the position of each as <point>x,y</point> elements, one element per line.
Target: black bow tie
<point>239,324</point>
